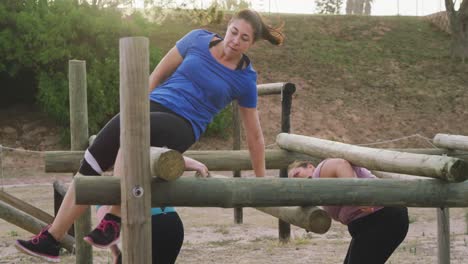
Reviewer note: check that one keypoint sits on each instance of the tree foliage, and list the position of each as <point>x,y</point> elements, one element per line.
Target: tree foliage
<point>38,38</point>
<point>42,36</point>
<point>332,7</point>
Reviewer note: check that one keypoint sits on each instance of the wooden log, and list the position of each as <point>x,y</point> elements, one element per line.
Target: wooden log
<point>445,168</point>
<point>26,207</point>
<point>29,223</point>
<point>270,88</point>
<point>62,161</point>
<point>451,141</point>
<point>167,164</point>
<point>284,228</point>
<point>267,192</point>
<point>79,141</point>
<point>443,235</point>
<point>215,160</point>
<point>311,218</point>
<point>78,104</point>
<point>134,145</point>
<point>390,175</point>
<point>236,145</point>
<point>60,189</point>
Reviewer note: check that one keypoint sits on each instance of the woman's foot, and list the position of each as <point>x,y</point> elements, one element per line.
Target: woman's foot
<point>42,245</point>
<point>106,234</point>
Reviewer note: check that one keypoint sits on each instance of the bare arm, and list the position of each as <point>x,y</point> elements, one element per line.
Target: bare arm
<point>255,139</point>
<point>195,165</point>
<point>165,68</point>
<point>337,168</point>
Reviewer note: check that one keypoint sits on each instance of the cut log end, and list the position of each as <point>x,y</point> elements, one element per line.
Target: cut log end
<point>170,165</point>
<point>319,222</point>
<point>458,172</point>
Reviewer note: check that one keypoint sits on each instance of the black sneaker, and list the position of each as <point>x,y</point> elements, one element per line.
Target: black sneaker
<point>42,245</point>
<point>106,233</point>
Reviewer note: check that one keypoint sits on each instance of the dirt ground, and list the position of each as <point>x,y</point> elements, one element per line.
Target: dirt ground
<point>210,234</point>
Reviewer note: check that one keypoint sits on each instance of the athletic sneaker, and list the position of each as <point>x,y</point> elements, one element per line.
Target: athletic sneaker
<point>106,233</point>
<point>42,245</point>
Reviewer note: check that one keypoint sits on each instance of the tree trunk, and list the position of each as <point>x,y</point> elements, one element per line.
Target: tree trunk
<point>459,28</point>
<point>368,7</point>
<point>349,7</point>
<point>358,7</point>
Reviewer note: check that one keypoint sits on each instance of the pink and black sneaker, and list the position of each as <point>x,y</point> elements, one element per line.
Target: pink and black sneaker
<point>42,245</point>
<point>106,234</point>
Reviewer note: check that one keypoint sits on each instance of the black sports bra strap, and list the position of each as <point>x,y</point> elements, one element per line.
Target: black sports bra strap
<point>215,42</point>
<point>243,60</point>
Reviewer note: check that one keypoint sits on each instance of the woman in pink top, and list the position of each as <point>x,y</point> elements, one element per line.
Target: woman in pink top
<point>376,231</point>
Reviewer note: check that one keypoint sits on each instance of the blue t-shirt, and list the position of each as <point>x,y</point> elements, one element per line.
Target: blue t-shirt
<point>201,86</point>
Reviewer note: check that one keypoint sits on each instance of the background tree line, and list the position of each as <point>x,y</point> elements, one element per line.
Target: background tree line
<point>39,37</point>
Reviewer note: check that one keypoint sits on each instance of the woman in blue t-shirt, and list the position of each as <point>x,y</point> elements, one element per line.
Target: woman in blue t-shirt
<point>193,82</point>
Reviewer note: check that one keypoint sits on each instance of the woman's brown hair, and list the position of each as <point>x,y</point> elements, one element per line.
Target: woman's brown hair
<point>261,30</point>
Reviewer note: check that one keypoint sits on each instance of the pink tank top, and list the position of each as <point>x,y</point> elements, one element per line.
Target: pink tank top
<point>347,214</point>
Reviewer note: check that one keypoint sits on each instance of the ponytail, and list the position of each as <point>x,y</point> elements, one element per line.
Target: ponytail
<point>261,30</point>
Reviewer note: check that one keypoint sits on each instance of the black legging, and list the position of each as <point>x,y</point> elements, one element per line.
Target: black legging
<point>167,129</point>
<point>376,236</point>
<point>167,237</point>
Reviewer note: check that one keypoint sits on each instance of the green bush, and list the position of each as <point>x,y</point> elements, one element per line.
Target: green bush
<point>42,36</point>
<point>221,124</point>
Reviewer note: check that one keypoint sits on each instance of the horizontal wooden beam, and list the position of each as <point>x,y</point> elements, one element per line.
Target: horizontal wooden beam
<point>26,207</point>
<point>275,88</point>
<point>441,167</point>
<point>391,175</point>
<point>29,223</point>
<point>451,141</point>
<point>165,163</point>
<point>267,192</point>
<point>215,160</point>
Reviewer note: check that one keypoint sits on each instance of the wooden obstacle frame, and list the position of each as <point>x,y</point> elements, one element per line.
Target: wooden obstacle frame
<point>296,193</point>
<point>286,91</point>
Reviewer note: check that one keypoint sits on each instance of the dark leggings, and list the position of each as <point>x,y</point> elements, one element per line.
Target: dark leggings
<point>376,236</point>
<point>167,129</point>
<point>167,237</point>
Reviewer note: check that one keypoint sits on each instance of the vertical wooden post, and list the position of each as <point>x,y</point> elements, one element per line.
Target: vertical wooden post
<point>79,141</point>
<point>236,145</point>
<point>443,235</point>
<point>135,147</point>
<point>284,228</point>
